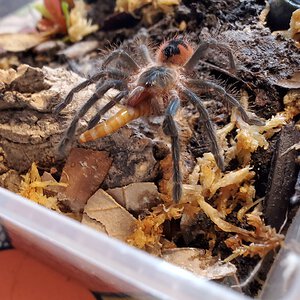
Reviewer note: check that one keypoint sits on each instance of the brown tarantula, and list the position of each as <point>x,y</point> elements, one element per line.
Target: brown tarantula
<point>155,87</point>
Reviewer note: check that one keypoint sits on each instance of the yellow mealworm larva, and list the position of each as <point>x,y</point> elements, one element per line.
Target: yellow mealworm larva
<point>123,117</point>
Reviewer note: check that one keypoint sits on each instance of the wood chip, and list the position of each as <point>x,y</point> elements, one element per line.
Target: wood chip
<point>103,213</point>
<point>84,171</point>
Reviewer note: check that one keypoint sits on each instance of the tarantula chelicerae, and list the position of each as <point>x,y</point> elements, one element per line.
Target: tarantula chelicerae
<point>155,87</point>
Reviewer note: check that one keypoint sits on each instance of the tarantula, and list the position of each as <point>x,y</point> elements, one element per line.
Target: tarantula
<point>154,87</point>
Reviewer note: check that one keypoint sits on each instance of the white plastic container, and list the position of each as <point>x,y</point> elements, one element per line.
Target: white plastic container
<point>101,262</point>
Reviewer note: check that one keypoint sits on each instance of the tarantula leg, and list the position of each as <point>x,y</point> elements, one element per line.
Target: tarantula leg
<point>209,86</point>
<point>96,118</point>
<point>145,54</point>
<point>208,126</point>
<point>113,73</point>
<point>201,51</point>
<point>117,84</point>
<point>170,129</point>
<point>121,54</point>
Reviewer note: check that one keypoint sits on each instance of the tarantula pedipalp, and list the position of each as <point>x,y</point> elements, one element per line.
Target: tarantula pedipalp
<point>155,88</point>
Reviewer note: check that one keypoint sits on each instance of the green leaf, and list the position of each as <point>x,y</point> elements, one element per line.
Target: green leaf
<point>65,10</point>
<point>42,10</point>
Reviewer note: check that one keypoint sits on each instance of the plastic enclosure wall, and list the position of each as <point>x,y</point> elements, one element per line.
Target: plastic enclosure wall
<point>94,257</point>
<point>284,276</point>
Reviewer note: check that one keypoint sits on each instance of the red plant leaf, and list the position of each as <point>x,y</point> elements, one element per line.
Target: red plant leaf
<point>57,17</point>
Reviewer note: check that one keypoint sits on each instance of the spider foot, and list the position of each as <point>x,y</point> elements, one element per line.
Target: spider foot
<point>94,121</point>
<point>257,122</point>
<point>220,161</point>
<point>252,119</point>
<point>177,192</point>
<point>64,143</point>
<point>58,108</point>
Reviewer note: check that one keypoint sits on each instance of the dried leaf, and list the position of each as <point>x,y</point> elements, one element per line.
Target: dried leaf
<point>80,26</point>
<point>199,262</point>
<point>136,196</point>
<point>79,50</point>
<point>111,217</point>
<point>84,171</point>
<point>16,42</point>
<point>290,83</point>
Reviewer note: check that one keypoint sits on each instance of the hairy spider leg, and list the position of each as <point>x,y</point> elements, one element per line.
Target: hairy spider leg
<point>113,124</point>
<point>115,74</point>
<point>96,118</point>
<point>145,54</point>
<point>204,117</point>
<point>117,84</point>
<point>201,51</point>
<point>170,129</point>
<point>209,86</point>
<point>121,54</point>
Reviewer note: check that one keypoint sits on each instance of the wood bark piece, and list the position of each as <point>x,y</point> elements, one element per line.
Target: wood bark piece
<point>282,177</point>
<point>104,214</point>
<point>196,261</point>
<point>29,132</point>
<point>137,196</point>
<point>84,171</point>
<point>11,180</point>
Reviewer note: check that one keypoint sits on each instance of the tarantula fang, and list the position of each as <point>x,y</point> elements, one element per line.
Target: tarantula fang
<point>156,87</point>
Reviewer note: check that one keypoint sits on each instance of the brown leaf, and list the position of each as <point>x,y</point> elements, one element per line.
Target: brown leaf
<point>198,262</point>
<point>290,83</point>
<point>136,196</point>
<point>103,213</point>
<point>84,171</point>
<point>17,42</point>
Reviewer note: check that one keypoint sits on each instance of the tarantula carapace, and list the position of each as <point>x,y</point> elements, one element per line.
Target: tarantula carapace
<point>154,87</point>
